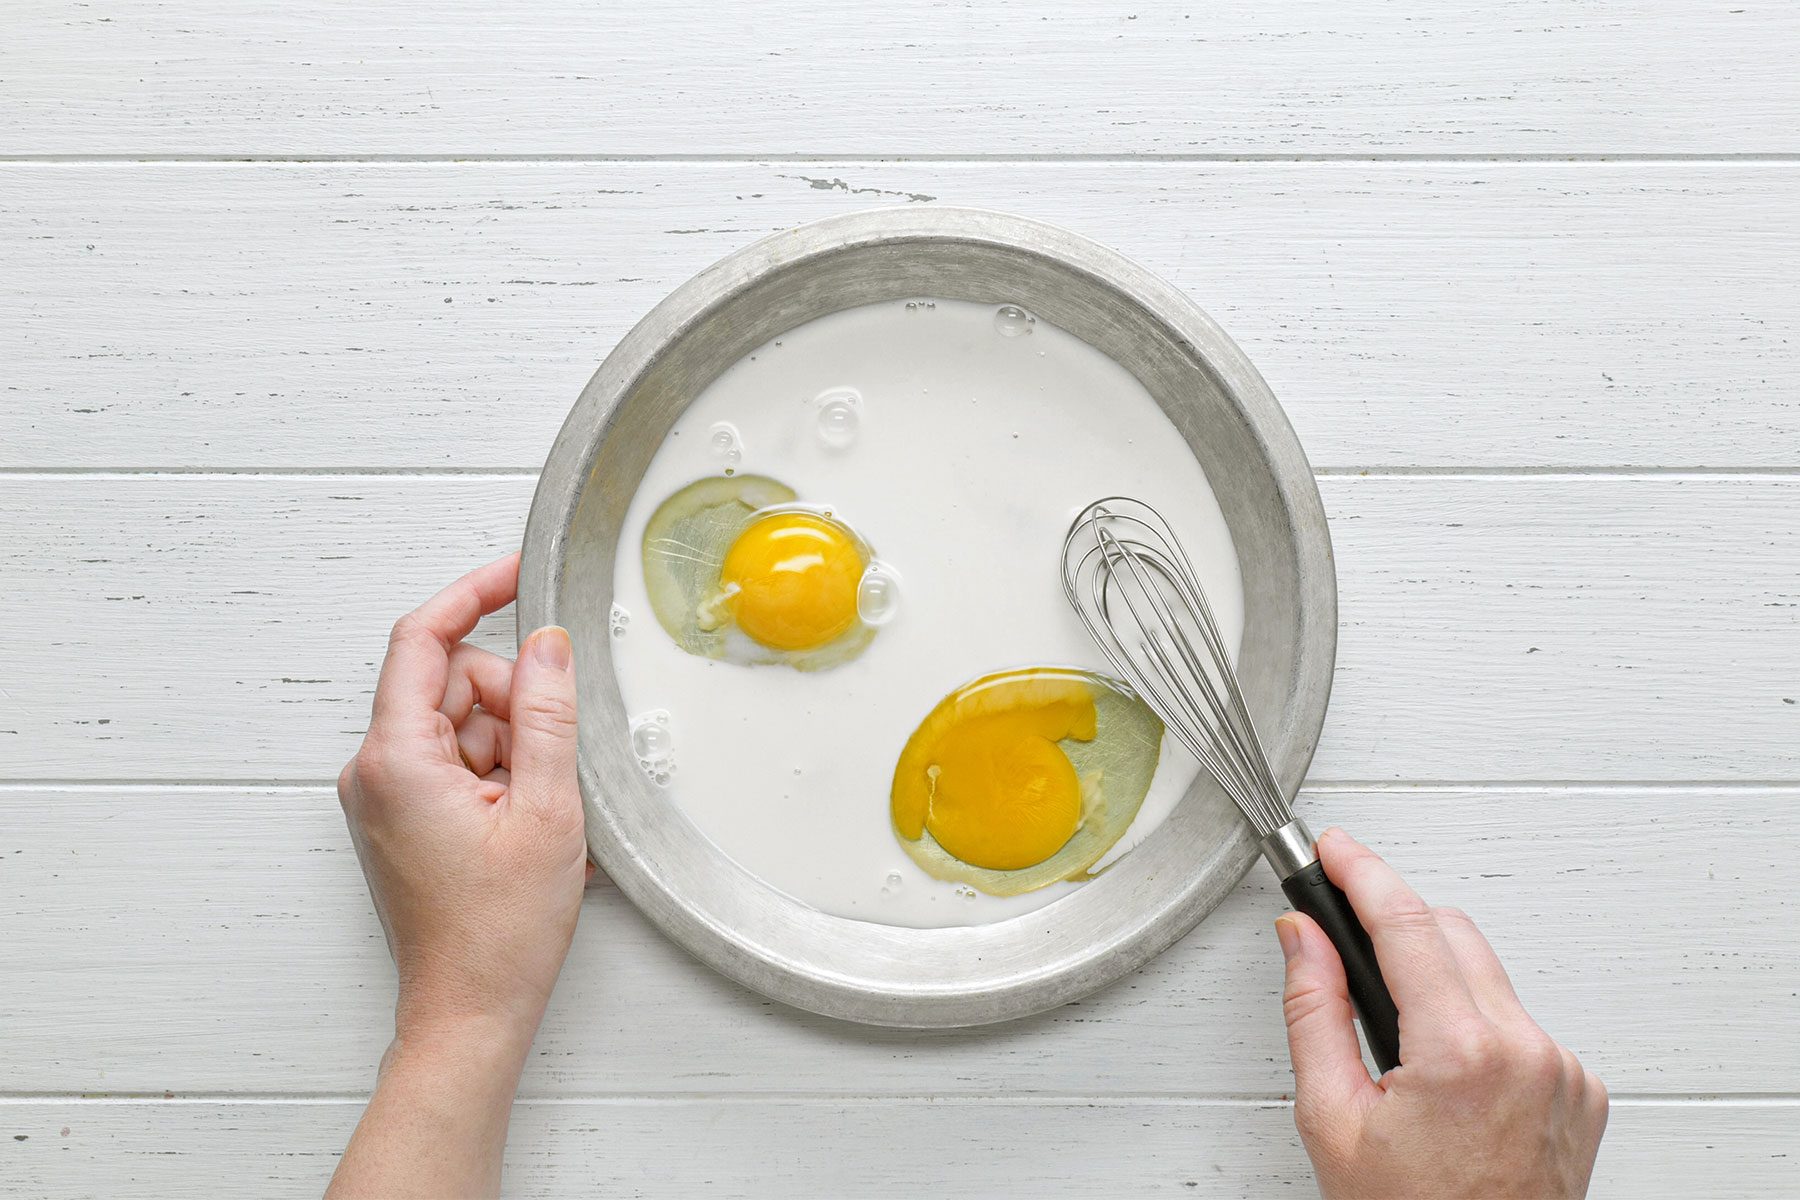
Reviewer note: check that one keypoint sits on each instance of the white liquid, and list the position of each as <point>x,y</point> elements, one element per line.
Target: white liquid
<point>972,447</point>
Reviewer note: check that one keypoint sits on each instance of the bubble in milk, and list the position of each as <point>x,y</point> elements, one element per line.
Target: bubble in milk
<point>726,445</point>
<point>653,742</point>
<point>840,417</point>
<point>618,620</point>
<point>878,594</point>
<point>1011,320</point>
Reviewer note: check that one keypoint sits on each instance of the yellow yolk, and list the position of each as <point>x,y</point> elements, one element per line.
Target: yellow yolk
<point>791,580</point>
<point>985,775</point>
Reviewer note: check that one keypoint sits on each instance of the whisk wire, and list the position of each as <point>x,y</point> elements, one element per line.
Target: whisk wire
<point>1106,636</point>
<point>1136,590</point>
<point>1134,560</point>
<point>1152,643</point>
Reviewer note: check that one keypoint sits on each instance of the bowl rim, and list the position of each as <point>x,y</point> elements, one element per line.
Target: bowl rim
<point>570,463</point>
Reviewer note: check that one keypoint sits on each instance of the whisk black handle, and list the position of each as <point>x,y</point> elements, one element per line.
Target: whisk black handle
<point>1310,892</point>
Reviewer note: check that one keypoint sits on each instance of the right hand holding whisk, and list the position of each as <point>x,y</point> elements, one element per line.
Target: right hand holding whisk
<point>1486,1103</point>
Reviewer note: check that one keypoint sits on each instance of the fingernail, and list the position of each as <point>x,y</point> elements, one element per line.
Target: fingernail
<point>1333,832</point>
<point>1287,932</point>
<point>550,647</point>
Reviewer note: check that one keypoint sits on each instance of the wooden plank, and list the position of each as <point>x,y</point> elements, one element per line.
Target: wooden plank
<point>795,1149</point>
<point>1564,628</point>
<point>911,77</point>
<point>1493,628</point>
<point>398,315</point>
<point>220,940</point>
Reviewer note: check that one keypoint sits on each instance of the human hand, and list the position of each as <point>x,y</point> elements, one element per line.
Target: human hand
<point>1483,1104</point>
<point>463,806</point>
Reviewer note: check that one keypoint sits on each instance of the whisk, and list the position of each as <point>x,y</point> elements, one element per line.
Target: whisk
<point>1135,589</point>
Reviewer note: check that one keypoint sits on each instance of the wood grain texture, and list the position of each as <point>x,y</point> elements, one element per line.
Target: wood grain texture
<point>1317,175</point>
<point>1525,628</point>
<point>1043,77</point>
<point>219,940</point>
<point>796,1149</point>
<point>396,315</point>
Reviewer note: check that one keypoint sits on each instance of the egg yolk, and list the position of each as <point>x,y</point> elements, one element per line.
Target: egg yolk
<point>790,580</point>
<point>985,775</point>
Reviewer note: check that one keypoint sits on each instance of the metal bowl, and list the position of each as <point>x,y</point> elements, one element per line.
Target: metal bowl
<point>932,977</point>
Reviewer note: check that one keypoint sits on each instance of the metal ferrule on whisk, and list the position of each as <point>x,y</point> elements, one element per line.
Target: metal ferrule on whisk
<point>1290,849</point>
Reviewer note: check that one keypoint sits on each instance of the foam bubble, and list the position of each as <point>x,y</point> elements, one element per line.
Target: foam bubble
<point>726,444</point>
<point>840,417</point>
<point>878,594</point>
<point>653,742</point>
<point>1011,320</point>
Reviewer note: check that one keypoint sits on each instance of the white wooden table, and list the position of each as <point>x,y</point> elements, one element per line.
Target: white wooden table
<point>293,296</point>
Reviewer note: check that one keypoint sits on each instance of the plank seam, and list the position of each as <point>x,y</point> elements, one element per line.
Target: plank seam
<point>848,1099</point>
<point>1628,471</point>
<point>1309,788</point>
<point>452,158</point>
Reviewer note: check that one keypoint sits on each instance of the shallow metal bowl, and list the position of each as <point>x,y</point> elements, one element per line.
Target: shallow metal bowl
<point>1221,406</point>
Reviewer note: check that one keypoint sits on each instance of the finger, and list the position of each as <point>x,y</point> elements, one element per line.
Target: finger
<point>543,725</point>
<point>493,785</point>
<point>1329,1074</point>
<point>1416,960</point>
<point>1487,979</point>
<point>1595,1101</point>
<point>485,741</point>
<point>416,672</point>
<point>476,676</point>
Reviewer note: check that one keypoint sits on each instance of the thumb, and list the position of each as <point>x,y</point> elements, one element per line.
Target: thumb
<point>1329,1075</point>
<point>543,722</point>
